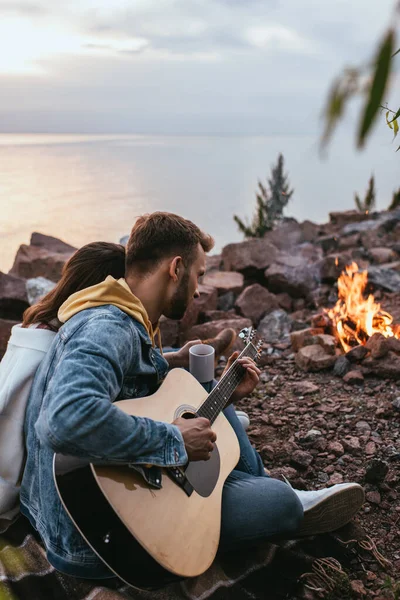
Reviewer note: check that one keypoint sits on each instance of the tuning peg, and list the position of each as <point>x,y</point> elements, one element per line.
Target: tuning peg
<point>244,333</point>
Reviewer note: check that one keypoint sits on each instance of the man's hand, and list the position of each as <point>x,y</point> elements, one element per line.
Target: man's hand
<point>250,379</point>
<point>181,357</point>
<point>198,436</point>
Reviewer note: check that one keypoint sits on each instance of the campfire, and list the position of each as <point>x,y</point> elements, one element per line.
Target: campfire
<point>357,317</point>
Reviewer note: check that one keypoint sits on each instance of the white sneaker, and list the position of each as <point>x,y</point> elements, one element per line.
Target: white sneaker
<point>243,418</point>
<point>329,509</point>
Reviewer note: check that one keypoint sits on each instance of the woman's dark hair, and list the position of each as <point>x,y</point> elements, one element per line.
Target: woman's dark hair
<point>88,266</point>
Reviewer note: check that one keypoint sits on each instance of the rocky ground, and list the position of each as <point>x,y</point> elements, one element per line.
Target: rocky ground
<point>318,431</point>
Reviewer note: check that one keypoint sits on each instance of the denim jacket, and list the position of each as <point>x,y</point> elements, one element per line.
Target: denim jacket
<point>98,356</point>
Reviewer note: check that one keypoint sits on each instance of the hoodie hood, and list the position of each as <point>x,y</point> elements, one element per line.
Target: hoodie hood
<point>109,291</point>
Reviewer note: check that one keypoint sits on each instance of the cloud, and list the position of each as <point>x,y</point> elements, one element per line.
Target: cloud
<point>29,9</point>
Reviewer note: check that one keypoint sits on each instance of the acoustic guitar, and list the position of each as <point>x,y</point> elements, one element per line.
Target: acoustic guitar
<point>149,537</point>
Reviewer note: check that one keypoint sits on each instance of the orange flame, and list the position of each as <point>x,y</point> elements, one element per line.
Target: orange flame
<point>357,318</point>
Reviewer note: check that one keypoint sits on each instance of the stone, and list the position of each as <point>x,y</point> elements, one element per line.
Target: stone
<point>328,342</point>
<point>304,337</point>
<point>303,388</point>
<point>351,444</point>
<point>226,301</point>
<point>310,231</point>
<point>396,403</point>
<point>211,329</point>
<point>377,344</point>
<point>313,358</point>
<point>354,377</point>
<point>217,315</point>
<point>370,448</point>
<point>5,331</point>
<point>373,497</point>
<point>357,353</point>
<point>388,366</point>
<point>38,287</point>
<point>285,301</point>
<point>13,297</point>
<point>169,329</point>
<point>311,436</point>
<point>382,255</point>
<point>51,243</point>
<point>335,478</point>
<point>336,448</point>
<point>213,262</point>
<point>384,279</point>
<point>349,241</point>
<point>301,459</point>
<point>206,301</point>
<point>328,243</point>
<point>275,327</point>
<point>331,266</point>
<point>36,261</point>
<point>291,274</point>
<point>376,471</point>
<point>224,281</point>
<point>255,301</point>
<point>348,216</point>
<point>286,235</point>
<point>249,257</point>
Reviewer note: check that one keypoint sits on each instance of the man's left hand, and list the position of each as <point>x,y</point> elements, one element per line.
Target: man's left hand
<point>250,379</point>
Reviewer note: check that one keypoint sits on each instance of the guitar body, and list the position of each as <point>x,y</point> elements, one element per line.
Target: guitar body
<point>150,536</point>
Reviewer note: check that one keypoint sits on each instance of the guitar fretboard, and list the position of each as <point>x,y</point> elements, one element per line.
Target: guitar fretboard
<point>219,397</point>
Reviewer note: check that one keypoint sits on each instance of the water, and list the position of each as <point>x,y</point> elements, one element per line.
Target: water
<point>82,188</point>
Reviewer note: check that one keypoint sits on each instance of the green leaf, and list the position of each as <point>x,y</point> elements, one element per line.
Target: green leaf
<point>378,87</point>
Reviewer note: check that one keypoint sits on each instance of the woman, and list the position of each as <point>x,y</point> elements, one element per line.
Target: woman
<point>28,344</point>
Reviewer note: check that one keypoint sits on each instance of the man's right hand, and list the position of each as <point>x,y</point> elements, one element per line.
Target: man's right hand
<point>198,436</point>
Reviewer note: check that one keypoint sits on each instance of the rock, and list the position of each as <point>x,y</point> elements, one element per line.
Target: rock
<point>396,403</point>
<point>275,327</point>
<point>311,436</point>
<point>249,257</point>
<point>384,279</point>
<point>169,331</point>
<point>313,358</point>
<point>13,297</point>
<point>291,274</point>
<point>376,471</point>
<point>301,459</point>
<point>349,241</point>
<point>226,301</point>
<point>328,343</point>
<point>336,448</point>
<point>211,329</point>
<point>335,478</point>
<point>207,301</point>
<point>328,243</point>
<point>285,301</point>
<point>286,235</point>
<point>51,243</point>
<point>370,448</point>
<point>358,588</point>
<point>5,332</point>
<point>342,366</point>
<point>255,301</point>
<point>378,345</point>
<point>224,281</point>
<point>303,388</point>
<point>351,444</point>
<point>388,366</point>
<point>382,255</point>
<point>38,287</point>
<point>310,231</point>
<point>353,377</point>
<point>357,353</point>
<point>349,216</point>
<point>373,497</point>
<point>217,315</point>
<point>304,337</point>
<point>331,266</point>
<point>213,263</point>
<point>36,261</point>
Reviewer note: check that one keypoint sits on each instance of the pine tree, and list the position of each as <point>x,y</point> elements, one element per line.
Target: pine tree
<point>270,203</point>
<point>395,200</point>
<point>368,204</point>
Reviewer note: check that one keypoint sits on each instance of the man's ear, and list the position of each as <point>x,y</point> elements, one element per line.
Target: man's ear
<point>175,266</point>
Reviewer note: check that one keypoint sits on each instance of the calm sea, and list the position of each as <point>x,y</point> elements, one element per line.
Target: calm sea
<point>91,187</point>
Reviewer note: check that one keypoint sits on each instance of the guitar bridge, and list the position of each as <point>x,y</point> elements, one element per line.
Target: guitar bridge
<point>178,476</point>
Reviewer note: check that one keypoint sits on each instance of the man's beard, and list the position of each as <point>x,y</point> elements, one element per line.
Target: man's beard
<point>179,301</point>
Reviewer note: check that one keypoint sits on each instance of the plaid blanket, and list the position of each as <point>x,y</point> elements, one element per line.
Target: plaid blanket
<point>274,571</point>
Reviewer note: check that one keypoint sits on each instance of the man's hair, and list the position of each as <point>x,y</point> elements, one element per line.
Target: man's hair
<point>160,235</point>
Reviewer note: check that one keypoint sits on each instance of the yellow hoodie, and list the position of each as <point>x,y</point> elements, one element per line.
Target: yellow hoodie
<point>110,291</point>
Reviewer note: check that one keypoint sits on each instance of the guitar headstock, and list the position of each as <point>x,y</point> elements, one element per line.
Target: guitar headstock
<point>249,335</point>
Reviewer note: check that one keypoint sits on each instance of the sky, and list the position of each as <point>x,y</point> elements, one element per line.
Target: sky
<point>178,66</point>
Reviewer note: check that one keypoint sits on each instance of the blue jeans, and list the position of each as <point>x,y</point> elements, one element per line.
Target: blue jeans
<point>255,507</point>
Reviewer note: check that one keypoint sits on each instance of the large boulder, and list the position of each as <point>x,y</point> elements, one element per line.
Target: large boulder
<point>13,297</point>
<point>313,358</point>
<point>224,281</point>
<point>206,302</point>
<point>383,255</point>
<point>51,243</point>
<point>275,327</point>
<point>286,235</point>
<point>5,332</point>
<point>249,257</point>
<point>332,265</point>
<point>291,274</point>
<point>348,217</point>
<point>36,261</point>
<point>255,301</point>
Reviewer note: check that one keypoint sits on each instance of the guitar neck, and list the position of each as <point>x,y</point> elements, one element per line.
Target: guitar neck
<point>220,395</point>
